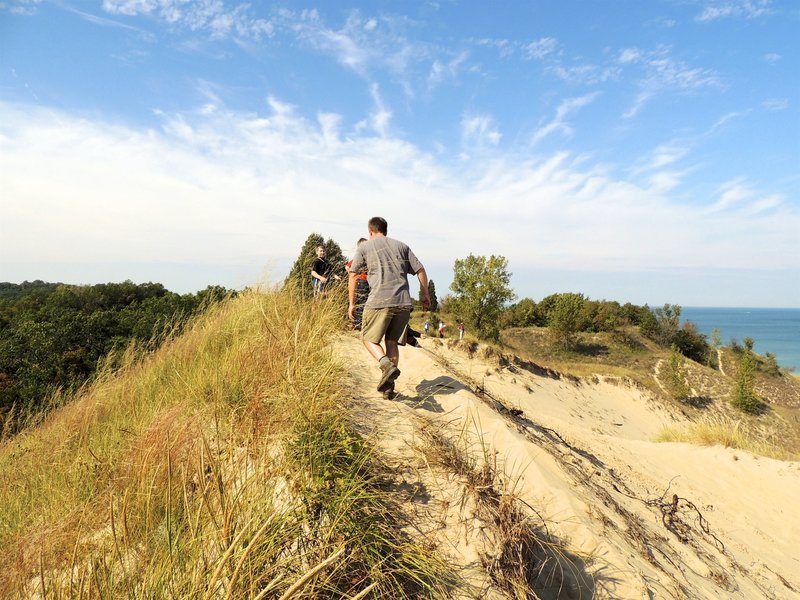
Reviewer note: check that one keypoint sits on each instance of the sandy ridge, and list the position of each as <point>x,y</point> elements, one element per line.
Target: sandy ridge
<point>642,520</point>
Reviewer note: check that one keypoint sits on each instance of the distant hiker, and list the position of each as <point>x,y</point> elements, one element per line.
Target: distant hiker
<point>321,271</point>
<point>426,326</point>
<point>362,290</point>
<point>441,329</point>
<point>388,308</point>
<point>461,330</point>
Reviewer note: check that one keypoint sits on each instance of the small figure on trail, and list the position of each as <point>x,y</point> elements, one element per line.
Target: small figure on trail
<point>321,272</point>
<point>362,291</point>
<point>386,314</point>
<point>426,326</point>
<point>460,330</point>
<point>441,329</point>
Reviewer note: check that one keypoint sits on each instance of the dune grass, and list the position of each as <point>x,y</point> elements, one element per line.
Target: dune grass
<point>731,434</point>
<point>527,560</point>
<point>221,465</point>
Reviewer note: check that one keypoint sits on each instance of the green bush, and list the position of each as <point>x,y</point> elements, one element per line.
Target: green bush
<point>566,320</point>
<point>675,376</point>
<point>744,396</point>
<point>692,344</point>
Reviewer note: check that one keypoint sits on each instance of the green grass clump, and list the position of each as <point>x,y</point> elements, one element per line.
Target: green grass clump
<point>221,465</point>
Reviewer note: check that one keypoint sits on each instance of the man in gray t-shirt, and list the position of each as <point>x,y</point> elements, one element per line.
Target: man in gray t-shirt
<point>388,263</point>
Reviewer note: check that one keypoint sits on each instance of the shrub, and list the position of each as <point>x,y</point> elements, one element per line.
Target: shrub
<point>769,364</point>
<point>743,395</point>
<point>675,376</point>
<point>691,343</point>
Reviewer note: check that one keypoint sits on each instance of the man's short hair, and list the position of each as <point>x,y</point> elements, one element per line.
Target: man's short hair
<point>378,225</point>
<point>320,246</point>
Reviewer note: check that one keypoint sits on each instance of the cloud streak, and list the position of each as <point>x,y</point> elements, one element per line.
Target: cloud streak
<point>748,9</point>
<point>559,122</point>
<point>664,74</point>
<point>214,18</point>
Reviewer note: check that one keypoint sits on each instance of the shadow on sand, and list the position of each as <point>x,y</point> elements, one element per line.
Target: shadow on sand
<point>427,390</point>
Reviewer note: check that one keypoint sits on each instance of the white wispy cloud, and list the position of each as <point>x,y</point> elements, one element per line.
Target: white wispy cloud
<point>664,22</point>
<point>106,22</point>
<point>381,116</point>
<point>559,123</point>
<point>737,195</point>
<point>479,131</point>
<point>24,8</point>
<point>665,181</point>
<point>772,57</point>
<point>447,70</point>
<point>367,45</point>
<point>539,49</point>
<point>660,167</point>
<point>663,73</point>
<point>630,55</point>
<point>749,9</point>
<point>585,74</point>
<point>776,104</point>
<point>504,47</point>
<point>213,17</point>
<point>666,155</point>
<point>343,43</point>
<point>724,119</point>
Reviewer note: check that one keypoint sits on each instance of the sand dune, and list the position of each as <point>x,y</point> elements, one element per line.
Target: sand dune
<point>626,517</point>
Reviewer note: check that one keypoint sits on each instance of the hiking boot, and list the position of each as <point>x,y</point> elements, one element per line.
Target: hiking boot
<point>390,394</point>
<point>389,373</point>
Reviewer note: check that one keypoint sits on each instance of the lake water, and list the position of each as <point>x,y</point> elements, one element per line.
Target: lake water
<point>775,330</point>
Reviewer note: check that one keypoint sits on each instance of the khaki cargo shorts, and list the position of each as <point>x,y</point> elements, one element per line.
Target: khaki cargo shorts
<point>390,323</point>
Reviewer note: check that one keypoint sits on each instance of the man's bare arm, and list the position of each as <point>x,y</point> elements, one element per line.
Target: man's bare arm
<point>351,294</point>
<point>423,288</point>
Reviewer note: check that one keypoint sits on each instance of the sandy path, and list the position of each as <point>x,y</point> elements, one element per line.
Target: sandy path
<point>579,454</point>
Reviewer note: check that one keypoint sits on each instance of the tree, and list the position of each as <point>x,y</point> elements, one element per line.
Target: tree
<point>432,294</point>
<point>481,289</point>
<point>565,319</point>
<point>300,274</point>
<point>661,325</point>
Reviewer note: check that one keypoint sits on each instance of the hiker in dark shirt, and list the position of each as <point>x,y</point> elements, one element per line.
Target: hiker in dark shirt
<point>321,271</point>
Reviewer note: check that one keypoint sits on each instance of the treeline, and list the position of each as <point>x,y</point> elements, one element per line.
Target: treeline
<point>481,295</point>
<point>53,336</point>
<point>568,314</point>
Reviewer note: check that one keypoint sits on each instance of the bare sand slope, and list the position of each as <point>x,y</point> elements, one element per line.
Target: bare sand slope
<point>615,515</point>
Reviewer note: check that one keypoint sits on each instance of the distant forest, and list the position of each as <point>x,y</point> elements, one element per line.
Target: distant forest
<point>53,336</point>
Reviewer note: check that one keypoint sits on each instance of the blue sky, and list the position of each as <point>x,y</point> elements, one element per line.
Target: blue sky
<point>642,151</point>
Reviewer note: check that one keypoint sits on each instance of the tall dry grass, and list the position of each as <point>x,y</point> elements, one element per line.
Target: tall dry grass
<point>731,434</point>
<point>222,465</point>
